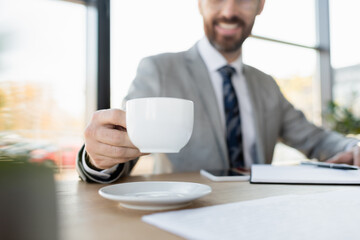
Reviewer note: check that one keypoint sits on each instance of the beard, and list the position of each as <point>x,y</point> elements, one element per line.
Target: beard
<point>228,44</point>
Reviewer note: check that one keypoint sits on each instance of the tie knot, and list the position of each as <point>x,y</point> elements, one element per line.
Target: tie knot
<point>227,71</point>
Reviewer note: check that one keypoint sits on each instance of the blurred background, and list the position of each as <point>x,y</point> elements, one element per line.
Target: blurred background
<point>60,60</point>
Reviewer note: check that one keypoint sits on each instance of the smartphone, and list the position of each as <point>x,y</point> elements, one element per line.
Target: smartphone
<point>225,175</point>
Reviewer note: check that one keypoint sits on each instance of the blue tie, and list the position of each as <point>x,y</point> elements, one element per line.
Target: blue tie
<point>233,121</point>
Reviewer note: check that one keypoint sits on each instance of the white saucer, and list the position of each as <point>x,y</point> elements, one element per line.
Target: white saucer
<point>155,195</point>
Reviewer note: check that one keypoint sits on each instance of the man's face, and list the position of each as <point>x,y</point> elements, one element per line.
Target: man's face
<point>227,23</point>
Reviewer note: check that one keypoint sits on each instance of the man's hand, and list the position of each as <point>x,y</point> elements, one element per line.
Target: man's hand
<point>351,157</point>
<point>106,140</point>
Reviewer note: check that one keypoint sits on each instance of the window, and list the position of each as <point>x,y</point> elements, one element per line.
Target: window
<point>292,67</point>
<point>345,50</point>
<point>284,47</point>
<point>290,21</point>
<point>42,79</point>
<point>158,26</point>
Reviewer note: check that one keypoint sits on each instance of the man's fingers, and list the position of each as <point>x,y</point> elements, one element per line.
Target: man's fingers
<point>350,157</point>
<point>356,152</point>
<point>113,137</point>
<point>104,162</point>
<point>111,117</point>
<point>115,152</point>
<point>106,139</point>
<point>344,157</point>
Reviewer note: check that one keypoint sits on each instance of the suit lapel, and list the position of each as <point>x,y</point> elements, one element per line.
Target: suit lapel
<point>258,113</point>
<point>202,83</point>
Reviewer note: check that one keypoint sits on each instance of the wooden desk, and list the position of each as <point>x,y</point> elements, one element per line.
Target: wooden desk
<point>84,214</point>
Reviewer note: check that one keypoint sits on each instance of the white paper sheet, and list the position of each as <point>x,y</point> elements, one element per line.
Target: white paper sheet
<point>303,174</point>
<point>330,216</point>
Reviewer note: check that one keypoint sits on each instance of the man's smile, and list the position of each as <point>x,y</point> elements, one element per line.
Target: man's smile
<point>227,29</point>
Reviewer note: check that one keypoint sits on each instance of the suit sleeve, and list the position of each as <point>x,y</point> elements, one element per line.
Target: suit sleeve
<point>313,141</point>
<point>147,82</point>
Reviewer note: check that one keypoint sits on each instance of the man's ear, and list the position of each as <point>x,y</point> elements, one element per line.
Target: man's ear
<point>261,6</point>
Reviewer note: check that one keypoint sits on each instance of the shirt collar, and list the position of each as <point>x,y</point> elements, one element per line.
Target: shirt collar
<point>213,59</point>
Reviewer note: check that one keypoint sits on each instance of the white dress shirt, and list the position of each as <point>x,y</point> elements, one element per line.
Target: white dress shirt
<point>104,174</point>
<point>214,60</point>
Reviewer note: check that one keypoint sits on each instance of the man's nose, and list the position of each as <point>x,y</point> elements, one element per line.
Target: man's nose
<point>229,9</point>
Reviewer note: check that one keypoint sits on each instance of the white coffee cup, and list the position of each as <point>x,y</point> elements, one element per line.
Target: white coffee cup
<point>159,124</point>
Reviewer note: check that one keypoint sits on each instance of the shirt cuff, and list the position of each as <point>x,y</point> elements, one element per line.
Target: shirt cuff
<point>103,174</point>
<point>351,145</point>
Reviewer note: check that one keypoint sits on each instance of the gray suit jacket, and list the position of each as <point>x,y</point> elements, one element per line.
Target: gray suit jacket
<point>184,75</point>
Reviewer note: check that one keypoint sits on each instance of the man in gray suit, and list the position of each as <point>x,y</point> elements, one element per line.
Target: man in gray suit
<point>240,112</point>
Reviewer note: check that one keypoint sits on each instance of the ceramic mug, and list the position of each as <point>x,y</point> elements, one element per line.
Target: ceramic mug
<point>159,124</point>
